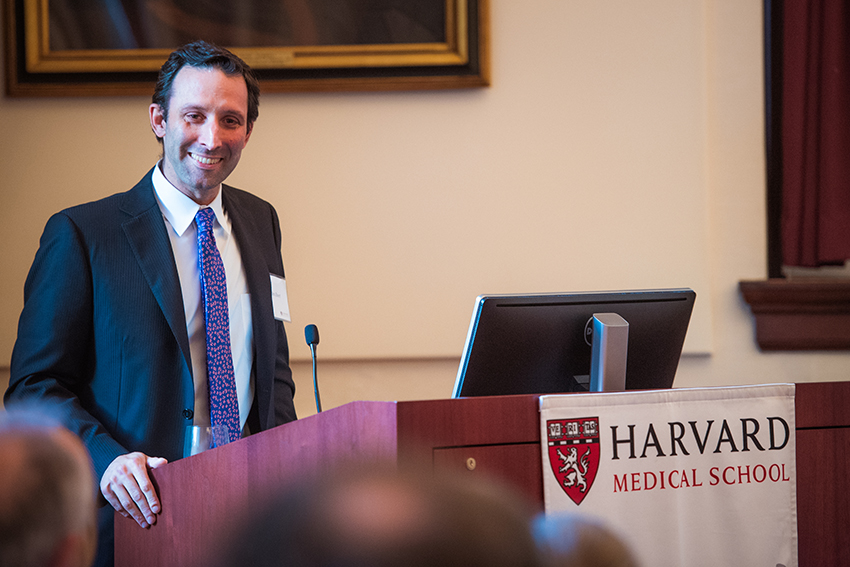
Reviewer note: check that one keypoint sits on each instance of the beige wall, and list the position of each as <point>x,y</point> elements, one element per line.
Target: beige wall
<point>642,118</point>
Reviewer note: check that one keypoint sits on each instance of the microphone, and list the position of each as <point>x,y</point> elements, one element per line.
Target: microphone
<point>311,333</point>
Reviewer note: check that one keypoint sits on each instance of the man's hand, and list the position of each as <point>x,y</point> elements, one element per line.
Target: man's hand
<point>128,488</point>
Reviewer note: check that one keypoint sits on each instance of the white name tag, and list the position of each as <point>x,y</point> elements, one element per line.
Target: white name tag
<point>280,301</point>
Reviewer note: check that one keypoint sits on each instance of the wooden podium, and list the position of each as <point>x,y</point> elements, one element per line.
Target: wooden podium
<point>211,494</point>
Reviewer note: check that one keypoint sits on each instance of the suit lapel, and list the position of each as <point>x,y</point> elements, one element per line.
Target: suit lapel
<point>148,239</point>
<point>259,286</point>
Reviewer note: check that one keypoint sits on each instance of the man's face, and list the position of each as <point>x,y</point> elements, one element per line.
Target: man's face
<point>204,132</point>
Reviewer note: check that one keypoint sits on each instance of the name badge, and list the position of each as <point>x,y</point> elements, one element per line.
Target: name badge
<point>280,301</point>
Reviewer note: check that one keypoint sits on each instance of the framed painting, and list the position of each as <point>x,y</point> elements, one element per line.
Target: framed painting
<point>113,47</point>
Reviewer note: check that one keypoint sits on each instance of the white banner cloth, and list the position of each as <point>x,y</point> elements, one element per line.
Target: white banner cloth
<point>703,476</point>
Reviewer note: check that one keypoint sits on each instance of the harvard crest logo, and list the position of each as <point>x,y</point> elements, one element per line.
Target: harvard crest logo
<point>574,454</point>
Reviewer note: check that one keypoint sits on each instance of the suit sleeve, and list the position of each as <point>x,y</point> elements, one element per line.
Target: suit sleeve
<point>284,386</point>
<point>53,358</point>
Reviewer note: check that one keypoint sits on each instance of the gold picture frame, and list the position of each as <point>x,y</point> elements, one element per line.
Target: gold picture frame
<point>46,59</point>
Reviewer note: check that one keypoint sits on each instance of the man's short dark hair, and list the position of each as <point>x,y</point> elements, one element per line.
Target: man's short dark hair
<point>206,55</point>
<point>381,517</point>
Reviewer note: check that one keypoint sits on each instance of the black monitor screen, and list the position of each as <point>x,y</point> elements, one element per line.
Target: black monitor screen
<point>536,344</point>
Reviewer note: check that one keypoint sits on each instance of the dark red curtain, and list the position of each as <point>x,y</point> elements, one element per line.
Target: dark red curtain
<point>815,132</point>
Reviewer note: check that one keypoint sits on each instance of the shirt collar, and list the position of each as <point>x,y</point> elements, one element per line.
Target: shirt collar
<point>178,208</point>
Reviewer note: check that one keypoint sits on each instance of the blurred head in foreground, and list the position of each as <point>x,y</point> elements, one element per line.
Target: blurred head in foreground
<point>47,497</point>
<point>383,519</point>
<point>568,540</point>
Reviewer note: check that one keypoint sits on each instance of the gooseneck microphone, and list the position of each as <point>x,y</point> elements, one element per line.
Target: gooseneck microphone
<point>311,333</point>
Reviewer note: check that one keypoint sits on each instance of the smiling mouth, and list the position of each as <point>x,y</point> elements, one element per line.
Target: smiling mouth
<point>204,160</point>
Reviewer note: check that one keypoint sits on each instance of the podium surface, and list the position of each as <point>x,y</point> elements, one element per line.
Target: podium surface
<point>213,493</point>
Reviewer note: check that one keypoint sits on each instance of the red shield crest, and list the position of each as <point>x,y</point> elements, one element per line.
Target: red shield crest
<point>574,454</point>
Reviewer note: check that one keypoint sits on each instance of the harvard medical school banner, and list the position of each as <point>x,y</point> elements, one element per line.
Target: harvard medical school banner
<point>690,477</point>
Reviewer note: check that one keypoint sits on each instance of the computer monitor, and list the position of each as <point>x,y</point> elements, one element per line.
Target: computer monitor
<point>537,344</point>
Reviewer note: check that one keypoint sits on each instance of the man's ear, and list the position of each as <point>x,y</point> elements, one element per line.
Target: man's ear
<point>249,130</point>
<point>157,120</point>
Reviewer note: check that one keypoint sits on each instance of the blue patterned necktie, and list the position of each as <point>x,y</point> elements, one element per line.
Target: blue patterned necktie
<point>224,406</point>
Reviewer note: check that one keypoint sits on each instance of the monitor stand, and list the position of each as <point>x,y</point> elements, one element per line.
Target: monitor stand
<point>609,336</point>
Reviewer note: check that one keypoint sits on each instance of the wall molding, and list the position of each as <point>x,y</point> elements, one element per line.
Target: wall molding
<point>801,314</point>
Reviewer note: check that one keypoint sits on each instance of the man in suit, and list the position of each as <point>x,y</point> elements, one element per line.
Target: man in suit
<point>113,331</point>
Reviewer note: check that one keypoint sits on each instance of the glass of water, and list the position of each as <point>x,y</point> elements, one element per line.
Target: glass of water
<point>199,438</point>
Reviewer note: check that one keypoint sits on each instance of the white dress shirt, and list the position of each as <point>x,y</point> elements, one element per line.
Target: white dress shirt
<point>178,212</point>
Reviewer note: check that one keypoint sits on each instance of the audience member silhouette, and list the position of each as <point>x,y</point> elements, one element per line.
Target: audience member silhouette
<point>570,540</point>
<point>388,519</point>
<point>47,494</point>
